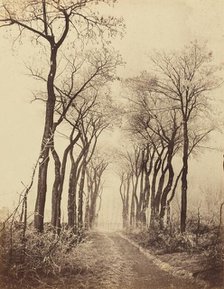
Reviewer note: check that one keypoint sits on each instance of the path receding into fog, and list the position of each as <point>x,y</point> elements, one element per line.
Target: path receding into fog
<point>117,264</point>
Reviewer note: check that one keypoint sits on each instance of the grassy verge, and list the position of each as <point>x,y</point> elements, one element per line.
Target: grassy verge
<point>198,252</point>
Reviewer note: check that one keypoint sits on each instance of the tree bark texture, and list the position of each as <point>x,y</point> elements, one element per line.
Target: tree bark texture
<point>46,144</point>
<point>184,184</point>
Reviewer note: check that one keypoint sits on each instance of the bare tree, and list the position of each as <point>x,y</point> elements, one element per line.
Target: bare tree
<point>185,78</point>
<point>99,115</point>
<point>181,88</point>
<point>50,22</point>
<point>125,185</point>
<point>156,121</point>
<point>161,131</point>
<point>94,173</point>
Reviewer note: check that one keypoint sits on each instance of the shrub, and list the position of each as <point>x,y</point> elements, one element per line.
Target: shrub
<point>200,235</point>
<point>165,242</point>
<point>37,256</point>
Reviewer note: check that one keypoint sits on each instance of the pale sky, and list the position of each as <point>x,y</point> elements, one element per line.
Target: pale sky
<point>151,25</point>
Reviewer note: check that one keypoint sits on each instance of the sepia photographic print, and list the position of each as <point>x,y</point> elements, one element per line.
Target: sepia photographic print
<point>112,144</point>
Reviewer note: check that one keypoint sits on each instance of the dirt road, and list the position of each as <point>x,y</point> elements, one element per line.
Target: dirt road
<point>145,274</point>
<point>115,263</point>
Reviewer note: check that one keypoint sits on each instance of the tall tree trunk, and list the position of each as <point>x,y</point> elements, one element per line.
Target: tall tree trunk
<point>127,203</point>
<point>152,202</point>
<point>132,211</point>
<point>184,184</point>
<point>93,211</point>
<point>159,192</point>
<point>88,198</point>
<point>148,170</point>
<point>87,211</point>
<point>80,194</point>
<point>55,189</point>
<point>146,197</point>
<point>157,167</point>
<point>72,196</point>
<point>168,205</point>
<point>124,192</point>
<point>94,200</point>
<point>47,139</point>
<point>60,169</point>
<point>165,194</point>
<point>141,210</point>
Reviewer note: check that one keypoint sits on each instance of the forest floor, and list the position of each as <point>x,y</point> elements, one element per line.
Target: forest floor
<point>109,261</point>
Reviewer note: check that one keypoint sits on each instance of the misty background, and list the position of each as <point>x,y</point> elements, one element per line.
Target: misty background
<point>150,25</point>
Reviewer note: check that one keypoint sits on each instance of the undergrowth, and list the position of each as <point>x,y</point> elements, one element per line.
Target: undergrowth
<point>204,239</point>
<point>196,239</point>
<point>27,261</point>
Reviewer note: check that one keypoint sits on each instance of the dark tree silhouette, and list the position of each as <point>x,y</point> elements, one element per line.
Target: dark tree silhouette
<point>51,22</point>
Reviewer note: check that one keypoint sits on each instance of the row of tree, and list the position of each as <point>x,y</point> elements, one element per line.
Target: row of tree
<point>167,114</point>
<point>79,64</point>
<point>168,119</point>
